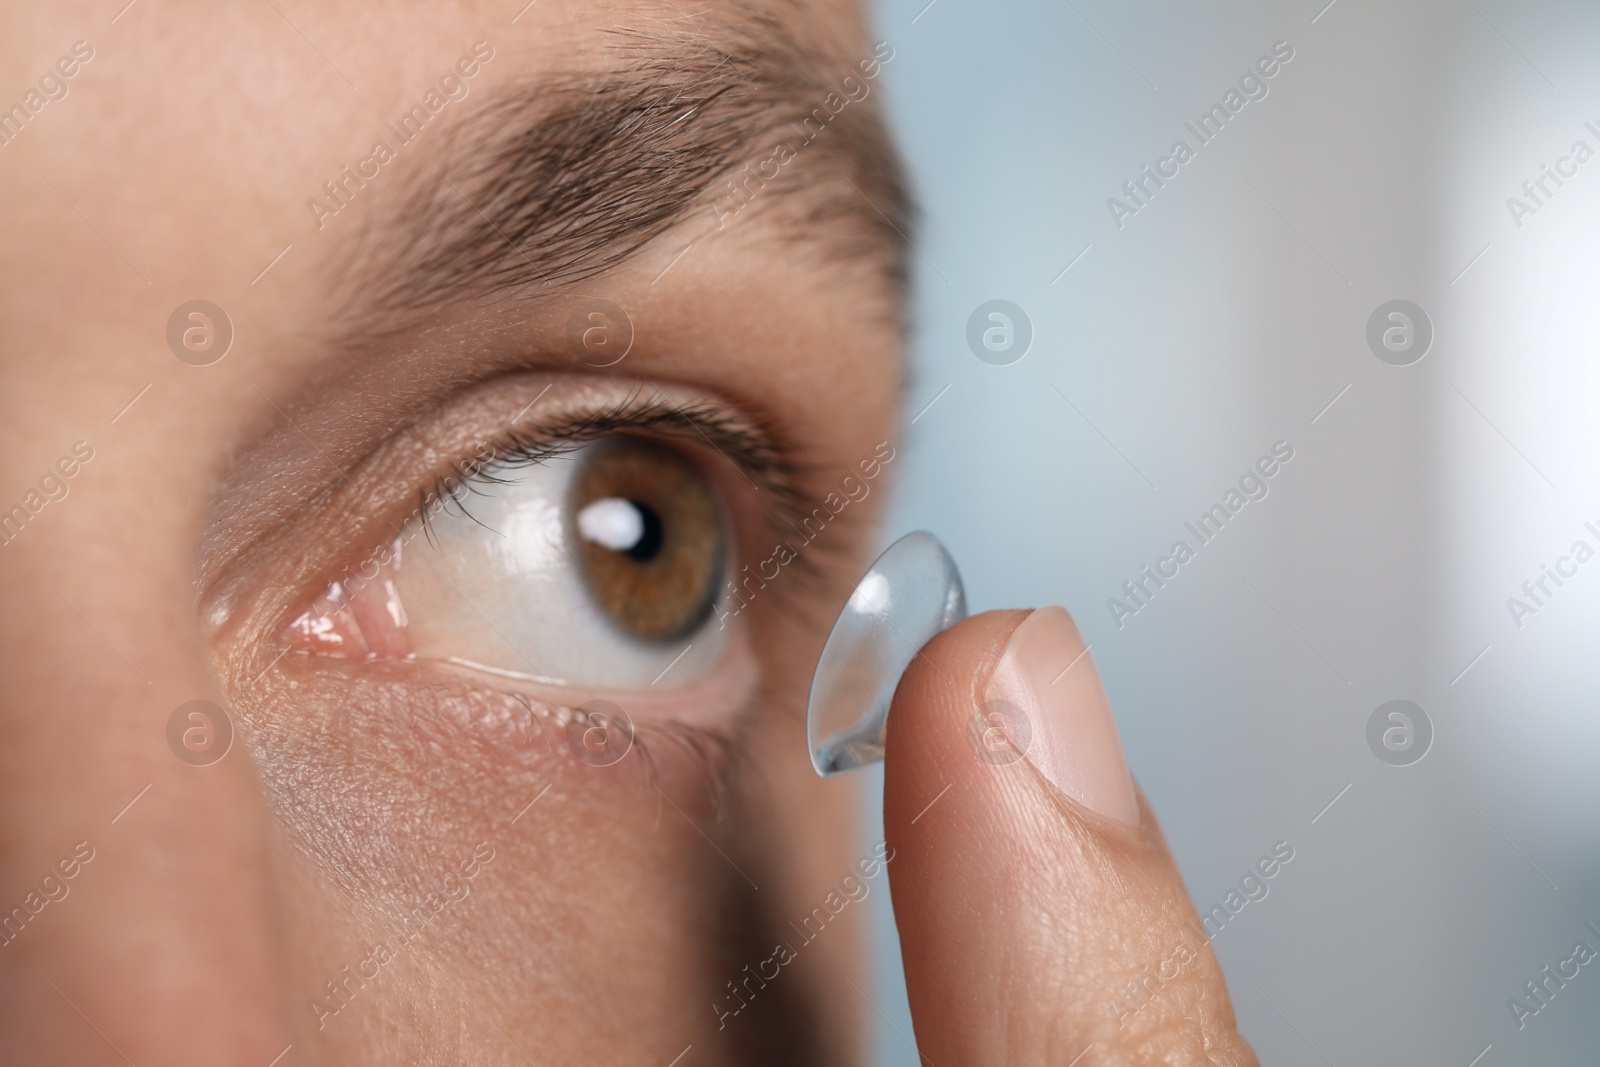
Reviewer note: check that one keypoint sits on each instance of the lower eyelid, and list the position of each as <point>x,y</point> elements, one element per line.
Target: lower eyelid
<point>368,624</point>
<point>713,701</point>
<point>384,736</point>
<point>501,578</point>
<point>360,630</point>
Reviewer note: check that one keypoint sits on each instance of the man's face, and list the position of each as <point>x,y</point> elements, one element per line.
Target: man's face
<point>500,489</point>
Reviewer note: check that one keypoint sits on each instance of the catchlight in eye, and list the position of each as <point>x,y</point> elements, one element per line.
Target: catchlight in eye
<point>648,537</point>
<point>598,565</point>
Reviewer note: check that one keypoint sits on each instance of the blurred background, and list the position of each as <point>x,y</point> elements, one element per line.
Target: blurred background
<point>1174,342</point>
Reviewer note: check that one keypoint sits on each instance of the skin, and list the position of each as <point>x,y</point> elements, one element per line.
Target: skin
<point>614,911</point>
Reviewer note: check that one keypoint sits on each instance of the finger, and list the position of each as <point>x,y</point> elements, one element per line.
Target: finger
<point>1041,917</point>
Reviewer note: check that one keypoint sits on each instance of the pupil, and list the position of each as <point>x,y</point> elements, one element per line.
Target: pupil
<point>650,537</point>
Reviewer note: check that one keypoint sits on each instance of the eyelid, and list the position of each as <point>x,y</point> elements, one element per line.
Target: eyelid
<point>360,617</point>
<point>754,493</point>
<point>277,552</point>
<point>740,444</point>
<point>747,447</point>
<point>710,702</point>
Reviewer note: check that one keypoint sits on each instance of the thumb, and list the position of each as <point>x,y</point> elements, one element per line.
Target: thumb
<point>1041,918</point>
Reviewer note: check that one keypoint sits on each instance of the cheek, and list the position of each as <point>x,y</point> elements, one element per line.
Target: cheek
<point>600,890</point>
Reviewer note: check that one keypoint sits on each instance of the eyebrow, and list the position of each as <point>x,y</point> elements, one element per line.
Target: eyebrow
<point>552,183</point>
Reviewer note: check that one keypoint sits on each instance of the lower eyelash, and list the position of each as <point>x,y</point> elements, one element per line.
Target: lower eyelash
<point>714,752</point>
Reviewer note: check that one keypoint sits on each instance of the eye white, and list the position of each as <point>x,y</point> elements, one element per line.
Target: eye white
<point>501,585</point>
<point>612,523</point>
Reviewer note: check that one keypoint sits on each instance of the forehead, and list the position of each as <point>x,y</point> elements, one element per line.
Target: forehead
<point>216,135</point>
<point>230,153</point>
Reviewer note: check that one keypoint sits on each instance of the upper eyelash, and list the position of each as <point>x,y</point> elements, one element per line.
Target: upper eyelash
<point>781,502</point>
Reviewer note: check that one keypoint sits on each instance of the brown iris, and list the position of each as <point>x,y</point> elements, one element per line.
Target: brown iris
<point>649,537</point>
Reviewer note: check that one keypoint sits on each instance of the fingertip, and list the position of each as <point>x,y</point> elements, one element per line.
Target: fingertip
<point>1031,884</point>
<point>930,733</point>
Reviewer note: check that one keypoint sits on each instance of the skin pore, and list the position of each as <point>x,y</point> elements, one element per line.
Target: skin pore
<point>428,314</point>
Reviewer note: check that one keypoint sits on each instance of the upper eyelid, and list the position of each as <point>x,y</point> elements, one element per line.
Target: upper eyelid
<point>747,447</point>
<point>380,497</point>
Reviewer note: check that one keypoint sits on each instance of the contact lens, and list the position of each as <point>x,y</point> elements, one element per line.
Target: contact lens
<point>912,592</point>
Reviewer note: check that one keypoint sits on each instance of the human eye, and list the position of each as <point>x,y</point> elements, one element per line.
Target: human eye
<point>593,552</point>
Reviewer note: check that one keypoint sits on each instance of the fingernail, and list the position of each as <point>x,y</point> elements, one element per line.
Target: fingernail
<point>1047,674</point>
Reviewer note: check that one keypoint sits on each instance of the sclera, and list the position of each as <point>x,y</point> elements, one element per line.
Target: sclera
<point>909,594</point>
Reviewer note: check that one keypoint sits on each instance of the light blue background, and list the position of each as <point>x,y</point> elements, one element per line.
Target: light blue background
<point>1223,317</point>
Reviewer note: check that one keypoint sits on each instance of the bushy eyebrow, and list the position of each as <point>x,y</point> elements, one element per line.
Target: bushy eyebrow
<point>554,182</point>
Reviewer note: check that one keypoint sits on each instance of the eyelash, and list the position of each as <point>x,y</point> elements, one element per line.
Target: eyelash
<point>518,448</point>
<point>762,460</point>
<point>714,750</point>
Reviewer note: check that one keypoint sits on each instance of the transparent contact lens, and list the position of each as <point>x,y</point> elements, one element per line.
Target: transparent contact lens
<point>910,594</point>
